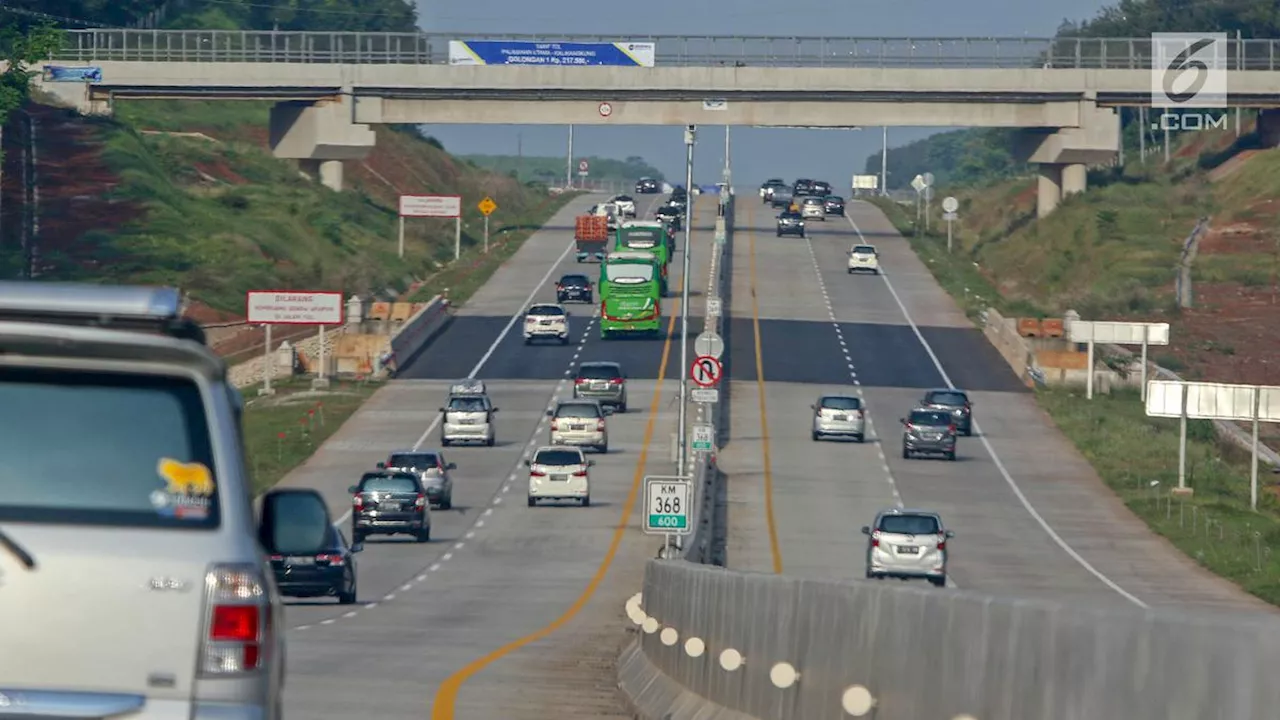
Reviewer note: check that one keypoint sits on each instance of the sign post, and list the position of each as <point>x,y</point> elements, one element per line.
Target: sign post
<point>584,168</point>
<point>288,307</point>
<point>486,206</point>
<point>667,505</point>
<point>949,207</point>
<point>1213,401</point>
<point>433,206</point>
<point>1117,333</point>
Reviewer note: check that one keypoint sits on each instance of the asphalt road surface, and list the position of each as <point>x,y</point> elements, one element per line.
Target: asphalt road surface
<point>1031,517</point>
<point>433,630</point>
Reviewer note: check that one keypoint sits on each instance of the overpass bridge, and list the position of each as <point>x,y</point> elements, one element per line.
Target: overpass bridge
<point>330,87</point>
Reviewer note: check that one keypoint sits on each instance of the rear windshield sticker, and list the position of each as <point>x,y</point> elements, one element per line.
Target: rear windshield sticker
<point>187,491</point>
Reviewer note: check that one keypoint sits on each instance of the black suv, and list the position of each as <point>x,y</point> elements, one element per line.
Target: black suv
<point>956,402</point>
<point>647,186</point>
<point>389,503</point>
<point>803,187</point>
<point>574,287</point>
<point>834,205</point>
<point>790,223</point>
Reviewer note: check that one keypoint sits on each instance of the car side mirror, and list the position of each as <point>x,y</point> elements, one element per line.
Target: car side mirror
<point>294,521</point>
<point>381,466</point>
<point>813,406</point>
<point>451,466</point>
<point>353,489</point>
<point>608,411</point>
<point>591,463</point>
<point>950,534</point>
<point>357,547</point>
<point>902,421</point>
<point>494,409</point>
<point>527,463</point>
<point>866,529</point>
<point>551,413</point>
<point>443,410</point>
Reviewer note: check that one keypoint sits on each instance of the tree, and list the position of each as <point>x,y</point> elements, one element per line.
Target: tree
<point>19,51</point>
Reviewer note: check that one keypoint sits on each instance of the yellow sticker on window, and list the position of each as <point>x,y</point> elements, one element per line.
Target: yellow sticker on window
<point>185,478</point>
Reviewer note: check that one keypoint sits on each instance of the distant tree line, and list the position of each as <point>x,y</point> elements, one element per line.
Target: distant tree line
<point>317,15</point>
<point>983,154</point>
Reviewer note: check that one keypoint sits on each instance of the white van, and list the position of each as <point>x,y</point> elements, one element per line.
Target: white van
<point>468,415</point>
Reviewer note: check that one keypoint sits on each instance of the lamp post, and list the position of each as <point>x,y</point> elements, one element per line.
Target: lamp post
<point>682,451</point>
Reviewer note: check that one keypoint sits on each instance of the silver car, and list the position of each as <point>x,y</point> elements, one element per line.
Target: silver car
<point>432,470</point>
<point>954,401</point>
<point>580,423</point>
<point>928,431</point>
<point>603,381</point>
<point>907,544</point>
<point>139,585</point>
<point>559,473</point>
<point>468,418</point>
<point>839,416</point>
<point>814,207</point>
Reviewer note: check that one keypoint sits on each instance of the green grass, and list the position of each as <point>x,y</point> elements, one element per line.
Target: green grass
<point>1215,527</point>
<point>281,431</point>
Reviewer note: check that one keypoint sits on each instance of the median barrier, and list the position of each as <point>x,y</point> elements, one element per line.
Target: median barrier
<point>723,644</point>
<point>419,330</point>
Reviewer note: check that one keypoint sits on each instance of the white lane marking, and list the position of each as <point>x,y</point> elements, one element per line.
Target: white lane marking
<point>995,458</point>
<point>434,567</point>
<point>446,557</point>
<point>489,511</point>
<point>457,546</point>
<point>349,614</point>
<point>469,535</point>
<point>327,622</point>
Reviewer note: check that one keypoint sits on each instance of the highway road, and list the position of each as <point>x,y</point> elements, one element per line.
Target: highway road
<point>510,612</point>
<point>1032,518</point>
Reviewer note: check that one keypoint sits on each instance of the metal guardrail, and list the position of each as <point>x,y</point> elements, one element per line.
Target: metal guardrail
<point>672,50</point>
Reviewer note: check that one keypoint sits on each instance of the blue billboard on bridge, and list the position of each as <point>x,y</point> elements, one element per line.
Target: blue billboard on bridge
<point>510,52</point>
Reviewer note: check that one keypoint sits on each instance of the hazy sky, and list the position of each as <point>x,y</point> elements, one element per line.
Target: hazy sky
<point>832,155</point>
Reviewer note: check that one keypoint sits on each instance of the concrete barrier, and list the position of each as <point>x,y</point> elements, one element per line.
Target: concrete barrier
<point>813,650</point>
<point>420,329</point>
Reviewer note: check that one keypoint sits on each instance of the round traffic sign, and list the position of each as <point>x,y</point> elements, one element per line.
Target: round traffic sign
<point>705,371</point>
<point>928,179</point>
<point>583,165</point>
<point>709,344</point>
<point>950,205</point>
<point>606,109</point>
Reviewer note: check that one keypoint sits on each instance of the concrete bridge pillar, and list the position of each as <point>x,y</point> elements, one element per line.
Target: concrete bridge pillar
<point>1056,182</point>
<point>320,136</point>
<point>1064,154</point>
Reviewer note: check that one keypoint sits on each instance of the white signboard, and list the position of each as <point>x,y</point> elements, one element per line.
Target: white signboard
<point>667,503</point>
<point>284,307</point>
<point>431,206</point>
<point>866,182</point>
<point>709,344</point>
<point>1118,333</point>
<point>1212,401</point>
<point>705,395</point>
<point>714,307</point>
<point>918,184</point>
<point>703,437</point>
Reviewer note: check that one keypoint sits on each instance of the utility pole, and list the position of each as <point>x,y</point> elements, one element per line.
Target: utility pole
<point>568,165</point>
<point>884,162</point>
<point>682,450</point>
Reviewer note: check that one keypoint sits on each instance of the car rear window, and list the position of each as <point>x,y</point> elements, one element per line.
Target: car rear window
<point>947,398</point>
<point>864,250</point>
<point>557,457</point>
<point>909,524</point>
<point>575,280</point>
<point>416,461</point>
<point>578,410</point>
<point>841,403</point>
<point>546,310</point>
<point>926,417</point>
<point>599,372</point>
<point>106,449</point>
<point>389,483</point>
<point>466,404</point>
<point>813,201</point>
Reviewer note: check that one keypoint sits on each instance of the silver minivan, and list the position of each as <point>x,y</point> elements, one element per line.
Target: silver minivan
<point>839,416</point>
<point>132,571</point>
<point>906,544</point>
<point>468,416</point>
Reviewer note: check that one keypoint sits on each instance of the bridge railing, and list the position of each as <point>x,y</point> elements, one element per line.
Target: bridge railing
<point>671,50</point>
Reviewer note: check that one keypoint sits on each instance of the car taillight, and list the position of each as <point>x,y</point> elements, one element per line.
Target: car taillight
<point>357,502</point>
<point>600,424</point>
<point>239,624</point>
<point>942,542</point>
<point>420,501</point>
<point>538,473</point>
<point>559,286</point>
<point>581,381</point>
<point>580,473</point>
<point>910,427</point>
<point>615,381</point>
<point>555,424</point>
<point>951,429</point>
<point>331,559</point>
<point>875,539</point>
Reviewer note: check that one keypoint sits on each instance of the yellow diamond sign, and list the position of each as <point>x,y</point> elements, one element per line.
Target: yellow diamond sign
<point>487,206</point>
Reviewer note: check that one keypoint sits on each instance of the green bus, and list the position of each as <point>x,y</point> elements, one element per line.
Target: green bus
<point>650,235</point>
<point>630,294</point>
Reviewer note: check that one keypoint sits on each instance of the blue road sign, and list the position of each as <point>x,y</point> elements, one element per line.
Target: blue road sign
<point>507,52</point>
<point>54,73</point>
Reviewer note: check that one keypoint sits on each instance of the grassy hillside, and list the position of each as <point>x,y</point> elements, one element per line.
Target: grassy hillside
<point>187,193</point>
<point>551,170</point>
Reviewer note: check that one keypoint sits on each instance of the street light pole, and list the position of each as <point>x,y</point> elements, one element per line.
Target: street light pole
<point>884,161</point>
<point>682,452</point>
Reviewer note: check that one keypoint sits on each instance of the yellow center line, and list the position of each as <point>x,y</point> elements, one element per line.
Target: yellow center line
<point>770,523</point>
<point>446,698</point>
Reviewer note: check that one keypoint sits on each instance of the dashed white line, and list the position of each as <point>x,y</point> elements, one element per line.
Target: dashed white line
<point>351,614</point>
<point>457,546</point>
<point>434,567</point>
<point>327,622</point>
<point>446,557</point>
<point>469,536</point>
<point>489,511</point>
<point>406,587</point>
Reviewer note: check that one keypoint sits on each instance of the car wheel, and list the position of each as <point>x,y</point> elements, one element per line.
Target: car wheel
<point>423,535</point>
<point>951,455</point>
<point>938,582</point>
<point>532,501</point>
<point>447,503</point>
<point>968,432</point>
<point>779,234</point>
<point>850,271</point>
<point>528,341</point>
<point>491,441</point>
<point>586,501</point>
<point>862,438</point>
<point>357,536</point>
<point>623,408</point>
<point>445,443</point>
<point>816,436</point>
<point>348,598</point>
<point>603,449</point>
<point>564,340</point>
<point>906,454</point>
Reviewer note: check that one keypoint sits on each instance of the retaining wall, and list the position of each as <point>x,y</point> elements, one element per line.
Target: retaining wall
<point>420,329</point>
<point>927,654</point>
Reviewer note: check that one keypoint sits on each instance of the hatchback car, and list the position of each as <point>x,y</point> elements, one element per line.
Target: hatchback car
<point>330,571</point>
<point>559,473</point>
<point>864,258</point>
<point>928,431</point>
<point>432,470</point>
<point>956,402</point>
<point>907,544</point>
<point>576,287</point>
<point>602,381</point>
<point>790,223</point>
<point>813,207</point>
<point>647,186</point>
<point>626,205</point>
<point>833,204</point>
<point>580,423</point>
<point>390,502</point>
<point>839,416</point>
<point>546,321</point>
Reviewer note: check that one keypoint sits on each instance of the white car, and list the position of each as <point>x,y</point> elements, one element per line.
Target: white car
<point>864,258</point>
<point>559,473</point>
<point>907,544</point>
<point>610,211</point>
<point>626,205</point>
<point>580,423</point>
<point>839,416</point>
<point>813,207</point>
<point>546,321</point>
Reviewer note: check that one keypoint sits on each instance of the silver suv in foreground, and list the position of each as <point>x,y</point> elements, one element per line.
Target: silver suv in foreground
<point>146,580</point>
<point>907,544</point>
